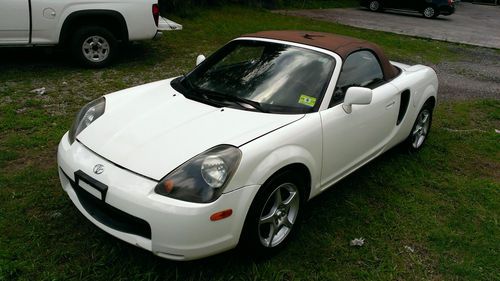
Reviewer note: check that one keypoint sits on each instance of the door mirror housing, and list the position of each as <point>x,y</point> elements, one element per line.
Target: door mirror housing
<point>356,95</point>
<point>200,59</point>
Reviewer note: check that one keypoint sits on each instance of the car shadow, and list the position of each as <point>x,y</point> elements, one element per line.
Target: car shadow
<point>29,58</point>
<point>42,58</point>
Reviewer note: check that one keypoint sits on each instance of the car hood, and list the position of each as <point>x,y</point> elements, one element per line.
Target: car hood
<point>152,129</point>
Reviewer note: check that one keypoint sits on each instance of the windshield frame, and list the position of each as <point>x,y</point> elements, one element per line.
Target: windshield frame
<point>323,98</point>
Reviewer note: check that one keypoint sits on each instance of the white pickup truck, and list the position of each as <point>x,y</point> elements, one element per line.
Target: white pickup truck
<point>91,29</point>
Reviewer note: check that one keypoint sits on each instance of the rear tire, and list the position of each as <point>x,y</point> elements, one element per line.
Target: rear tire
<point>374,6</point>
<point>420,130</point>
<point>93,46</point>
<point>273,215</point>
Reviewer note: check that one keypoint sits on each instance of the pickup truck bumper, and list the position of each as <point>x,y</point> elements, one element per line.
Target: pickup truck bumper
<point>165,24</point>
<point>168,25</point>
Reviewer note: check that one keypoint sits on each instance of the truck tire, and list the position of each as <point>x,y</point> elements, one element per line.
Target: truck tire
<point>93,46</point>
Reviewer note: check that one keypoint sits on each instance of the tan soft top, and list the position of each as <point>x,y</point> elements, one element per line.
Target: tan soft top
<point>341,45</point>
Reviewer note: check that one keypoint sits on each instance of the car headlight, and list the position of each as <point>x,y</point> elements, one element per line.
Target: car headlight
<point>203,178</point>
<point>88,114</point>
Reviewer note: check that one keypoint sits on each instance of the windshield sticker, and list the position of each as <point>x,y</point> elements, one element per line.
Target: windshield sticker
<point>307,100</point>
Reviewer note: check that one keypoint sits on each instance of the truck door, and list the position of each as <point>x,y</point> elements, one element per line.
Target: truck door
<point>14,22</point>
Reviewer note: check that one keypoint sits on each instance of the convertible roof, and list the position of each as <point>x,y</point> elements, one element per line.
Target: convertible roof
<point>341,45</point>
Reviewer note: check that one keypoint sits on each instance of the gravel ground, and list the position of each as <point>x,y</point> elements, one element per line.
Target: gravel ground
<point>470,24</point>
<point>475,75</point>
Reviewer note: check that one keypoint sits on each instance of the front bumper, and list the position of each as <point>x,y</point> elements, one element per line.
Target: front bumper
<point>130,210</point>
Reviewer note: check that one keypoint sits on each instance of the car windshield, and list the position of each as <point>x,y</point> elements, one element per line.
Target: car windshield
<point>261,76</point>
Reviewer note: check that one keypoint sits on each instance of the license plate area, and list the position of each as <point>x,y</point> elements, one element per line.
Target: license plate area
<point>91,185</point>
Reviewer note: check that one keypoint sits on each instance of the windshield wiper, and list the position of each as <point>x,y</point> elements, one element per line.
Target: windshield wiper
<point>211,95</point>
<point>235,99</point>
<point>197,93</point>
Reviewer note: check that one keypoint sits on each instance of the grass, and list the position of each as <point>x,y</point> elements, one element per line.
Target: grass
<point>430,216</point>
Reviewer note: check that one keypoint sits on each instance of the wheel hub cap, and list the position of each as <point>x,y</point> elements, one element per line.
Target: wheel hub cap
<point>421,128</point>
<point>278,215</point>
<point>95,48</point>
<point>429,12</point>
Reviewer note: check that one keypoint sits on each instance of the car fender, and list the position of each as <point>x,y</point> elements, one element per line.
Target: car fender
<point>258,165</point>
<point>422,83</point>
<point>421,80</point>
<point>430,82</point>
<point>278,159</point>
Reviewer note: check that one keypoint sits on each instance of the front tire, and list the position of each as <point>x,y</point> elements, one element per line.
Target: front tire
<point>93,46</point>
<point>420,130</point>
<point>274,214</point>
<point>430,12</point>
<point>374,6</point>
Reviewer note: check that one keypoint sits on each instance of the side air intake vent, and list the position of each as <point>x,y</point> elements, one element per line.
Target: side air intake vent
<point>405,100</point>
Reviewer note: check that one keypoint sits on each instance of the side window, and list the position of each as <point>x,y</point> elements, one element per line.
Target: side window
<point>360,69</point>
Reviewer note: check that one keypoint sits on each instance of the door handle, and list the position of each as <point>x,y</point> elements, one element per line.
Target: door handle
<point>388,106</point>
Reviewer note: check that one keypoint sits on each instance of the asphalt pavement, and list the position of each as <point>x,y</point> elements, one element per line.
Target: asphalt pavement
<point>471,23</point>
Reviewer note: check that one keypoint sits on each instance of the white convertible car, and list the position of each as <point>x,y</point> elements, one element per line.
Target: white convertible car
<point>230,153</point>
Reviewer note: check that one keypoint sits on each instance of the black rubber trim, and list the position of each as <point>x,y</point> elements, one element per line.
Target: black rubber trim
<point>31,22</point>
<point>109,215</point>
<point>102,188</point>
<point>403,106</point>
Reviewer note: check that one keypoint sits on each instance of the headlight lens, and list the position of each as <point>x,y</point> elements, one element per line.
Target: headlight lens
<point>88,114</point>
<point>203,178</point>
<point>214,171</point>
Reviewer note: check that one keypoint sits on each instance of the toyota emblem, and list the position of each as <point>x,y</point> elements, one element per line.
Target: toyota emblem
<point>98,169</point>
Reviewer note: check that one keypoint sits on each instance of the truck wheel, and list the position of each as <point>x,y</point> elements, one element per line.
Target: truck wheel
<point>93,46</point>
<point>273,214</point>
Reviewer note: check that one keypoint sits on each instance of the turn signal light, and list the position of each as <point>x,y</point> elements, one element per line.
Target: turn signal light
<point>221,215</point>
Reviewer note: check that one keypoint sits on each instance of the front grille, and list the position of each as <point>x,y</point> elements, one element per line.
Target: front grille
<point>109,215</point>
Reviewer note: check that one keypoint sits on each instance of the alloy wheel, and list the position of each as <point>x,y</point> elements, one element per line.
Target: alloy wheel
<point>429,12</point>
<point>421,128</point>
<point>374,5</point>
<point>278,215</point>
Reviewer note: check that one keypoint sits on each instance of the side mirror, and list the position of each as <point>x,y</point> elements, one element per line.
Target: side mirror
<point>356,95</point>
<point>200,59</point>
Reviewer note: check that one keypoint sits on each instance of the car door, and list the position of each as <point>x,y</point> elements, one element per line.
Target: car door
<point>351,139</point>
<point>14,22</point>
<point>414,5</point>
<point>393,4</point>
